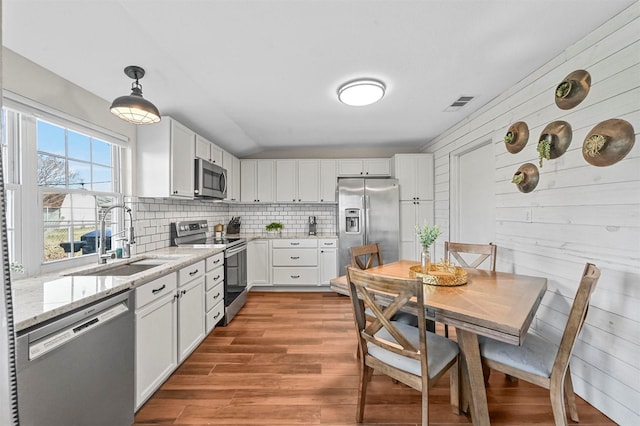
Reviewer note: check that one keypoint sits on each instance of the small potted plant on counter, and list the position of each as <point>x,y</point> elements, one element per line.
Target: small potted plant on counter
<point>274,227</point>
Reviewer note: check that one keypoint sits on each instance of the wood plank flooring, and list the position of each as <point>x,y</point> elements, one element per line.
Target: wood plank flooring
<point>288,359</point>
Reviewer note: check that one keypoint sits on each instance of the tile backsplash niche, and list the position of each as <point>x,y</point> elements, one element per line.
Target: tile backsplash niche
<point>152,216</point>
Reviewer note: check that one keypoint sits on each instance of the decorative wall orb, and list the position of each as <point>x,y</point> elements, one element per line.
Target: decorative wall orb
<point>517,137</point>
<point>608,142</point>
<point>573,89</point>
<point>526,178</point>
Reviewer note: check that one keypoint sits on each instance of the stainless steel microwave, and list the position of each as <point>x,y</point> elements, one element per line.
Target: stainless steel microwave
<point>210,180</point>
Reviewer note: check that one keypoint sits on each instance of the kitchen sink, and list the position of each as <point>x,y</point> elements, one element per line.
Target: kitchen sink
<point>124,269</point>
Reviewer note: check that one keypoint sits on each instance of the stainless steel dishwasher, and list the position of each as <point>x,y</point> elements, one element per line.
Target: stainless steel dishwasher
<point>78,369</point>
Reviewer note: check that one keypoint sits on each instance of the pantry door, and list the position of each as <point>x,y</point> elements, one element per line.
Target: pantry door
<point>473,212</point>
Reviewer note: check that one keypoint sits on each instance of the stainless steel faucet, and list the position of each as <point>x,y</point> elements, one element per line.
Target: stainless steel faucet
<point>102,252</point>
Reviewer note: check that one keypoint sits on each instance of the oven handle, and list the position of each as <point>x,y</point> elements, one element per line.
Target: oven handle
<point>235,250</point>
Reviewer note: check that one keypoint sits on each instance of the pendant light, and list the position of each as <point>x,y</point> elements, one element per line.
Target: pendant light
<point>134,108</point>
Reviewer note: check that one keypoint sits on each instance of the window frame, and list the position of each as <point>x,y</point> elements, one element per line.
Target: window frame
<point>28,210</point>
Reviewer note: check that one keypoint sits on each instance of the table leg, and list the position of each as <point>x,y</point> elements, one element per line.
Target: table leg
<point>468,342</point>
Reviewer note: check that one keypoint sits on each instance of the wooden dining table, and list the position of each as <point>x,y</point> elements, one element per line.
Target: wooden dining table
<point>499,305</point>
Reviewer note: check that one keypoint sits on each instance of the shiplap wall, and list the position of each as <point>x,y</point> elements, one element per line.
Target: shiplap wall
<point>578,213</point>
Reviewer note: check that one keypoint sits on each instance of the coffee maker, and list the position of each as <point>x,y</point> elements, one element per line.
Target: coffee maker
<point>312,225</point>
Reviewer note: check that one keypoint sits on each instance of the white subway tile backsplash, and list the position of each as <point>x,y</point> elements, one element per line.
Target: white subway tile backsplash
<point>153,216</point>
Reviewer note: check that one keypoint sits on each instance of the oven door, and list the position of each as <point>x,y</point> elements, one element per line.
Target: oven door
<point>235,274</point>
<point>210,180</point>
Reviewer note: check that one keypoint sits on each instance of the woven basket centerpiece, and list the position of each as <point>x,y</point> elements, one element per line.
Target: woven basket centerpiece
<point>442,274</point>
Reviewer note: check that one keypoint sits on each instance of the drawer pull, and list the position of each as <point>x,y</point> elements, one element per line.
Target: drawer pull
<point>159,289</point>
<point>295,244</point>
<point>295,257</point>
<point>216,315</point>
<point>328,244</point>
<point>216,261</point>
<point>217,295</point>
<point>295,277</point>
<point>216,278</point>
<point>193,273</point>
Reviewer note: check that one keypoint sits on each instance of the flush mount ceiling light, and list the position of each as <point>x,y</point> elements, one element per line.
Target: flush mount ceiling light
<point>361,92</point>
<point>134,108</point>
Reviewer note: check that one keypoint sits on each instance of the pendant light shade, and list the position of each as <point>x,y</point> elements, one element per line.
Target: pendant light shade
<point>134,108</point>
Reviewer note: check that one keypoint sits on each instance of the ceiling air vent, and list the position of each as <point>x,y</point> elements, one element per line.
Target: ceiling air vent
<point>459,103</point>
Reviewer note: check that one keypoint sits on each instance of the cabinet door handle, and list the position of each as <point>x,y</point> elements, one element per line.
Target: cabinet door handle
<point>295,277</point>
<point>193,273</point>
<point>217,295</point>
<point>295,257</point>
<point>216,315</point>
<point>183,292</point>
<point>159,289</point>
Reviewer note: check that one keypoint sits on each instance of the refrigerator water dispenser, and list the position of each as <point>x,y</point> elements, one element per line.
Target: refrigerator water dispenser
<point>352,219</point>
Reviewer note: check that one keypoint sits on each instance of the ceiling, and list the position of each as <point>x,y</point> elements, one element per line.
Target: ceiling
<point>259,77</point>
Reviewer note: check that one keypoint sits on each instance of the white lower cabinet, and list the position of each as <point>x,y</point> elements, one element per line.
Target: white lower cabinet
<point>156,335</point>
<point>190,308</point>
<point>327,260</point>
<point>294,262</point>
<point>258,264</point>
<point>214,291</point>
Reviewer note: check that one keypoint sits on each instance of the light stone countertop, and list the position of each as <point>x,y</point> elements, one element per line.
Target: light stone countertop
<point>284,235</point>
<point>41,298</point>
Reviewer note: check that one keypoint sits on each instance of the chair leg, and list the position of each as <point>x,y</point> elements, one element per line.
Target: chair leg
<point>425,405</point>
<point>571,397</point>
<point>446,330</point>
<point>456,394</point>
<point>365,376</point>
<point>486,374</point>
<point>557,401</point>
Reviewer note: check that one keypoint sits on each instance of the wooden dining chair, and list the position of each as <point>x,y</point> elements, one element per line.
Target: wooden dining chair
<point>367,256</point>
<point>480,253</point>
<point>408,354</point>
<point>364,257</point>
<point>541,362</point>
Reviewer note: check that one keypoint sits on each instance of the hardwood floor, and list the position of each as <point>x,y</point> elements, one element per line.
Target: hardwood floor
<point>288,358</point>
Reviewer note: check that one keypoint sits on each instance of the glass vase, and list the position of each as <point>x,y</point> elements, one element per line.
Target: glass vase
<point>425,260</point>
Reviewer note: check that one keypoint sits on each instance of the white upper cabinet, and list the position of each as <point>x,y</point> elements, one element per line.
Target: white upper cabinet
<point>364,167</point>
<point>415,175</point>
<point>297,181</point>
<point>232,165</point>
<point>328,181</point>
<point>208,151</point>
<point>164,161</point>
<point>257,183</point>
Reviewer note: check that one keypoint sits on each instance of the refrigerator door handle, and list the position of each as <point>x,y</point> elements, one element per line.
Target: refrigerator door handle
<point>365,219</point>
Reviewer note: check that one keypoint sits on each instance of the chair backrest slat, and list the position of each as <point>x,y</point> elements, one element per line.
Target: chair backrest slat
<point>367,256</point>
<point>483,252</point>
<point>576,318</point>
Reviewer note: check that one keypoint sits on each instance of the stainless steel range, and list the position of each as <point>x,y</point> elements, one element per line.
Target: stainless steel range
<point>193,234</point>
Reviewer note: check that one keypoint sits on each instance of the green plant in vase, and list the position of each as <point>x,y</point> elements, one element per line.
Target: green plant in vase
<point>427,236</point>
<point>544,148</point>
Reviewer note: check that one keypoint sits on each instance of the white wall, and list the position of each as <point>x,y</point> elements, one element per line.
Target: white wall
<point>578,213</point>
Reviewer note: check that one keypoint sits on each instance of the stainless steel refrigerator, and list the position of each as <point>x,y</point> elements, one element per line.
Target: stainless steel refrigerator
<point>368,212</point>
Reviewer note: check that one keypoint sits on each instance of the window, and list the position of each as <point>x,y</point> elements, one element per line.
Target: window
<point>74,171</point>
